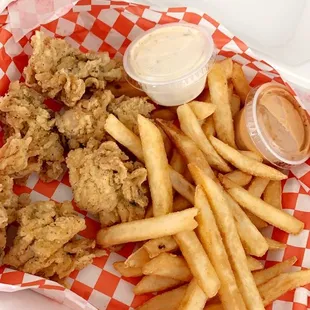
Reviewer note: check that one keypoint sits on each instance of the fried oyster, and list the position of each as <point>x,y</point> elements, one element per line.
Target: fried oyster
<point>45,243</point>
<point>60,71</point>
<point>31,145</point>
<point>105,182</point>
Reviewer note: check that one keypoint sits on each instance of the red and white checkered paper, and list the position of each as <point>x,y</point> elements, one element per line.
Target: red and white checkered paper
<point>111,26</point>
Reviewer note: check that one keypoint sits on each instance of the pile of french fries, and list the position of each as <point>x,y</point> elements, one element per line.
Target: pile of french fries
<point>209,202</point>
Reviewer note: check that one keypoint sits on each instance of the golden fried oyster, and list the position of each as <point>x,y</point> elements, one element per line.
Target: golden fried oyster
<point>60,71</point>
<point>107,183</point>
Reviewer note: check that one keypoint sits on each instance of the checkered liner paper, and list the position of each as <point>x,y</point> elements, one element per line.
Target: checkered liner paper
<point>111,26</point>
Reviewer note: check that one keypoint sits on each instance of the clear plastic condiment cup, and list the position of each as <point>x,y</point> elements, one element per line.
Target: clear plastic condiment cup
<point>187,52</point>
<point>273,124</point>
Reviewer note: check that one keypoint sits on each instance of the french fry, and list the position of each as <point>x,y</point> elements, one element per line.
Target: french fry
<point>177,162</point>
<point>182,186</point>
<point>208,127</point>
<point>211,240</point>
<point>120,88</point>
<point>149,212</point>
<point>151,284</point>
<point>204,95</point>
<point>166,114</point>
<point>259,223</point>
<point>254,264</point>
<point>168,300</point>
<point>218,86</point>
<point>257,186</point>
<point>191,127</point>
<point>157,167</point>
<point>127,271</point>
<point>198,262</point>
<point>226,225</point>
<point>283,283</point>
<point>273,194</point>
<point>252,155</point>
<point>170,266</point>
<point>202,109</point>
<point>239,177</point>
<point>214,307</point>
<point>132,142</point>
<point>241,84</point>
<point>167,142</point>
<point>188,177</point>
<point>157,246</point>
<point>275,245</point>
<point>187,148</point>
<point>266,212</point>
<point>138,258</point>
<point>234,105</point>
<point>151,228</point>
<point>227,66</point>
<point>194,298</point>
<point>230,91</point>
<point>265,275</point>
<point>180,203</point>
<point>244,163</point>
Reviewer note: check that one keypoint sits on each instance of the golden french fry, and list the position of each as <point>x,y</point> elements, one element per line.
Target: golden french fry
<point>160,245</point>
<point>177,162</point>
<point>241,84</point>
<point>182,186</point>
<point>194,298</point>
<point>265,275</point>
<point>127,271</point>
<point>204,95</point>
<point>211,240</point>
<point>186,147</point>
<point>124,136</point>
<point>202,109</point>
<point>273,194</point>
<point>191,127</point>
<point>151,284</point>
<point>252,155</point>
<point>167,142</point>
<point>188,177</point>
<point>217,81</point>
<point>275,245</point>
<point>214,307</point>
<point>227,227</point>
<point>198,262</point>
<point>120,88</point>
<point>234,105</point>
<point>208,127</point>
<point>151,228</point>
<point>227,66</point>
<point>257,186</point>
<point>244,163</point>
<point>254,264</point>
<point>157,166</point>
<point>168,300</point>
<point>230,91</point>
<point>259,223</point>
<point>266,212</point>
<point>239,177</point>
<point>138,258</point>
<point>170,266</point>
<point>149,212</point>
<point>180,203</point>
<point>166,114</point>
<point>283,283</point>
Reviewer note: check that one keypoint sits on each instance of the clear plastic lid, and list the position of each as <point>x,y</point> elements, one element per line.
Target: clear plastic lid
<point>278,127</point>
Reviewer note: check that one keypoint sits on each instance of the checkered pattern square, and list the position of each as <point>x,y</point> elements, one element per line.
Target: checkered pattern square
<point>112,25</point>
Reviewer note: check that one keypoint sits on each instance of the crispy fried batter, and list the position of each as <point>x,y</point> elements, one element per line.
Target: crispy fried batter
<point>44,244</point>
<point>85,120</point>
<point>127,109</point>
<point>104,180</point>
<point>60,71</point>
<point>32,146</point>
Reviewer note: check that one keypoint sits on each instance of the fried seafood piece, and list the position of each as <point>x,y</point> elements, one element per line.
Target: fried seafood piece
<point>45,240</point>
<point>127,109</point>
<point>104,181</point>
<point>86,119</point>
<point>60,71</point>
<point>31,144</point>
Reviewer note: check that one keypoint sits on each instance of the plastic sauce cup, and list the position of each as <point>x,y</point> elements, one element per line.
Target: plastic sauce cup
<point>170,63</point>
<point>273,124</point>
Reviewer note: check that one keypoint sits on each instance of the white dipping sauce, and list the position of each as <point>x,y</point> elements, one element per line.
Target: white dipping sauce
<point>170,62</point>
